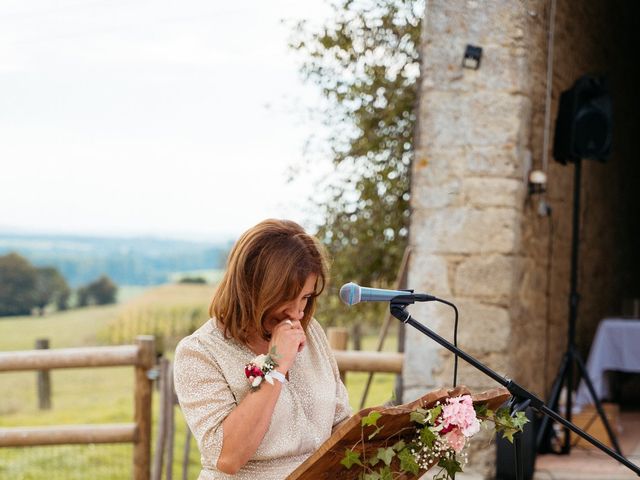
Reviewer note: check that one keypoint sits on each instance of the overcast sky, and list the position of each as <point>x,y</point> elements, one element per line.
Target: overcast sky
<point>151,117</point>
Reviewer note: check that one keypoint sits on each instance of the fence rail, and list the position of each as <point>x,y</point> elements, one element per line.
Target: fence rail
<point>65,435</point>
<point>363,361</point>
<point>70,358</point>
<point>141,356</point>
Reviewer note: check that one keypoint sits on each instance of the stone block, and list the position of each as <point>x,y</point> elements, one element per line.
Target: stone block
<point>432,167</point>
<point>483,328</point>
<point>428,273</point>
<point>478,119</point>
<point>493,192</point>
<point>489,277</point>
<point>503,69</point>
<point>505,161</point>
<point>438,196</point>
<point>467,230</point>
<point>474,22</point>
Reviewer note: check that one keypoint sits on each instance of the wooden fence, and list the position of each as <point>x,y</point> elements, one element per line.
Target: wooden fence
<point>141,356</point>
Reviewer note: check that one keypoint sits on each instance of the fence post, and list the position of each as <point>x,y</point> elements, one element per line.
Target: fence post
<point>161,434</point>
<point>43,379</point>
<point>142,407</point>
<point>338,339</point>
<point>168,392</point>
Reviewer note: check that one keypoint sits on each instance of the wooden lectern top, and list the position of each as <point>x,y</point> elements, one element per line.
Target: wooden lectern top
<point>396,424</point>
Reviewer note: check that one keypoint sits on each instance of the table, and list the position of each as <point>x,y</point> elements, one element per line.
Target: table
<point>616,346</point>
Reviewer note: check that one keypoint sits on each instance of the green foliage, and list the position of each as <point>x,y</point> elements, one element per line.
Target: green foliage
<point>51,287</point>
<point>427,436</point>
<point>371,419</point>
<point>200,280</point>
<point>507,424</point>
<point>351,458</point>
<point>451,466</point>
<point>365,60</point>
<point>428,445</point>
<point>24,287</point>
<point>408,462</point>
<point>100,292</point>
<point>17,285</point>
<point>386,455</point>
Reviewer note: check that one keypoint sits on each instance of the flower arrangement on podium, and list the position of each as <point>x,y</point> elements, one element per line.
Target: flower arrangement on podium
<point>441,437</point>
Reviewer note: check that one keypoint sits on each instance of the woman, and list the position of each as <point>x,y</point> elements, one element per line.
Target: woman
<point>257,383</point>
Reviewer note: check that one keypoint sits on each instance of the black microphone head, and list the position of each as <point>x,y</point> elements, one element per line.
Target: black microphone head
<point>350,293</point>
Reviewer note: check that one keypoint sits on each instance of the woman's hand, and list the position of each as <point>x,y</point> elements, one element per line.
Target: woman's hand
<point>288,338</point>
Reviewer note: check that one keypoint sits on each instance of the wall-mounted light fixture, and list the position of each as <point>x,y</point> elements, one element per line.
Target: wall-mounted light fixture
<point>472,56</point>
<point>537,182</point>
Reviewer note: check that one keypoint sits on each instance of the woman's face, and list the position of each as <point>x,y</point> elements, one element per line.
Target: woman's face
<point>293,309</point>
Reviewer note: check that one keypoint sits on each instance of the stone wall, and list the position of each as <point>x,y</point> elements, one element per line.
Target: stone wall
<point>468,184</point>
<point>472,156</point>
<point>477,237</point>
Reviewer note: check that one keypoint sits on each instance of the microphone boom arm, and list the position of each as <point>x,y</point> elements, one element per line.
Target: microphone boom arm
<point>398,306</point>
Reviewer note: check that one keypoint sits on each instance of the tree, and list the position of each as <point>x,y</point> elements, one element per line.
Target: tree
<point>366,62</point>
<point>50,287</point>
<point>100,292</point>
<point>17,285</point>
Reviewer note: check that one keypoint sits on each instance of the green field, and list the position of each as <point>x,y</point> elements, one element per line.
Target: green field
<point>101,395</point>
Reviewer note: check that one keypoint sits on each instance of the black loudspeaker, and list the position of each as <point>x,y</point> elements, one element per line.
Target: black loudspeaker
<point>584,125</point>
<point>506,458</point>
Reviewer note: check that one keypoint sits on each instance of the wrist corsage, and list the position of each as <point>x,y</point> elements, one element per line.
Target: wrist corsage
<point>262,368</point>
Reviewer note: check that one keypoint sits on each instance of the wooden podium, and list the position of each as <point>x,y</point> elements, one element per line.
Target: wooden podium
<point>396,424</point>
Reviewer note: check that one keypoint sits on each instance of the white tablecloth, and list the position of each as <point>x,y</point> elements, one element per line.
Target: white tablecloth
<point>616,346</point>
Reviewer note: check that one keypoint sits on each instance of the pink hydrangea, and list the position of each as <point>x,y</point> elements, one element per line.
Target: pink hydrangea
<point>455,439</point>
<point>459,412</point>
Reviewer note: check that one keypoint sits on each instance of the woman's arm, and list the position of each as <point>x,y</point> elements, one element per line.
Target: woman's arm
<point>245,427</point>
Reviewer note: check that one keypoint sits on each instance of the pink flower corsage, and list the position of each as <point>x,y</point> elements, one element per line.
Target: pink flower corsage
<point>261,368</point>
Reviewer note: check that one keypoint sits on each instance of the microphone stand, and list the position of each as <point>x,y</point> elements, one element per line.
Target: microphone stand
<point>521,398</point>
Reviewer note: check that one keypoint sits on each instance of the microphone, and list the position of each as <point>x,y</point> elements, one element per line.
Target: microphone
<point>352,293</point>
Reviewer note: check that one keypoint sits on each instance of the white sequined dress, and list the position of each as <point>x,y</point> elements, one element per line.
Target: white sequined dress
<point>210,383</point>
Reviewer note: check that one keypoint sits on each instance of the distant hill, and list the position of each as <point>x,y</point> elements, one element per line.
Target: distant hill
<point>128,261</point>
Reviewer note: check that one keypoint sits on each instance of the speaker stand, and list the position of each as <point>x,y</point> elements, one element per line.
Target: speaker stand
<point>572,356</point>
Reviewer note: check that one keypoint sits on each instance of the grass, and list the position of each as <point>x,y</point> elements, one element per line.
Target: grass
<point>102,395</point>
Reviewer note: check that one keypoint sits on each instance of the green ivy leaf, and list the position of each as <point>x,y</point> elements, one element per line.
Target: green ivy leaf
<point>503,414</point>
<point>418,418</point>
<point>371,476</point>
<point>408,462</point>
<point>519,421</point>
<point>371,419</point>
<point>451,465</point>
<point>385,474</point>
<point>399,445</point>
<point>434,413</point>
<point>427,436</point>
<point>386,455</point>
<point>507,425</point>
<point>351,458</point>
<point>508,434</point>
<point>373,461</point>
<point>481,410</point>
